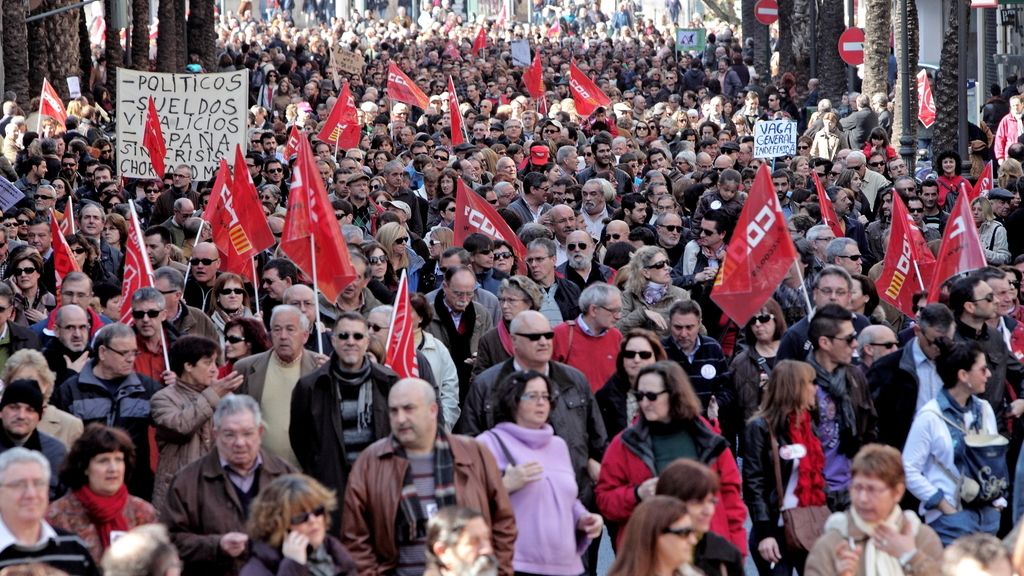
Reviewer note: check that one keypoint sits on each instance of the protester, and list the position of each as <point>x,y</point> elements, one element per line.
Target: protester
<point>619,406</point>
<point>31,365</point>
<point>659,539</point>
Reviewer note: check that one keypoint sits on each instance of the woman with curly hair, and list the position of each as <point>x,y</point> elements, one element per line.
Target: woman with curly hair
<point>287,527</point>
<point>87,255</point>
<point>243,337</point>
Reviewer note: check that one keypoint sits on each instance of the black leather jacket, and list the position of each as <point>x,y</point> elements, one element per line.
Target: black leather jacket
<point>760,493</point>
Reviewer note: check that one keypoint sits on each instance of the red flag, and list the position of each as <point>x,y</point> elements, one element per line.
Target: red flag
<point>480,42</point>
<point>502,17</point>
<point>458,130</point>
<point>452,51</point>
<point>474,214</point>
<point>138,272</point>
<point>401,351</point>
<point>556,29</point>
<point>240,229</point>
<point>759,256</point>
<point>983,185</point>
<point>533,78</point>
<point>402,89</point>
<point>585,93</point>
<point>961,249</point>
<point>342,126</point>
<point>291,147</point>
<point>67,224</point>
<point>153,140</point>
<point>51,105</point>
<point>902,276</point>
<point>828,211</point>
<point>64,261</point>
<point>312,237</point>
<point>925,101</point>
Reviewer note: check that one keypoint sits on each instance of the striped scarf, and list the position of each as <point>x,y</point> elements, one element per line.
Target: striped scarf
<point>412,522</point>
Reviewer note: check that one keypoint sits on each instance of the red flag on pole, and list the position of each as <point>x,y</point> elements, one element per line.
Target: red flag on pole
<point>533,78</point>
<point>64,261</point>
<point>828,211</point>
<point>585,93</point>
<point>458,126</point>
<point>925,102</point>
<point>291,147</point>
<point>474,214</point>
<point>239,227</point>
<point>401,350</point>
<point>556,29</point>
<point>961,249</point>
<point>759,256</point>
<point>907,253</point>
<point>502,16</point>
<point>479,43</point>
<point>138,272</point>
<point>983,185</point>
<point>402,89</point>
<point>452,51</point>
<point>312,237</point>
<point>67,224</point>
<point>51,105</point>
<point>342,126</point>
<point>153,140</point>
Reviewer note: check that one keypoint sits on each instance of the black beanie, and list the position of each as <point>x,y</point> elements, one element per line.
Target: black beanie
<point>23,391</point>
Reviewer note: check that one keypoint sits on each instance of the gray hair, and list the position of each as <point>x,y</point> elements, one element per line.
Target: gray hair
<point>43,187</point>
<point>525,285</point>
<point>19,455</point>
<point>688,156</point>
<point>173,277</point>
<point>149,294</point>
<point>235,404</point>
<point>383,309</point>
<point>547,245</point>
<point>937,316</point>
<point>816,231</point>
<point>596,295</point>
<point>143,551</point>
<point>77,277</point>
<point>563,153</point>
<point>836,248</point>
<point>606,188</point>
<point>110,332</point>
<point>533,231</point>
<point>180,203</point>
<point>353,234</point>
<point>288,308</point>
<point>856,156</point>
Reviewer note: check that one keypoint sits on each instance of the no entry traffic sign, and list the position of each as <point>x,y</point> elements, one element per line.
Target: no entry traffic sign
<point>851,46</point>
<point>766,11</point>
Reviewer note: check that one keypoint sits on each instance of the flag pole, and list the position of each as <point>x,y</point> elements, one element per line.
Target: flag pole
<point>255,286</point>
<point>394,314</point>
<point>188,270</point>
<point>803,286</point>
<point>920,281</point>
<point>316,296</point>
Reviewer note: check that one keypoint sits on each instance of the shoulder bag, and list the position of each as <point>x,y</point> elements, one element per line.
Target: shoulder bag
<point>802,525</point>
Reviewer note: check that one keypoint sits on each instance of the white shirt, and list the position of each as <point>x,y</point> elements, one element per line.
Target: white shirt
<point>928,379</point>
<point>7,539</point>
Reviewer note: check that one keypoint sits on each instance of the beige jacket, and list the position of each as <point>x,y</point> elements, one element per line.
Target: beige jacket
<point>840,528</point>
<point>183,417</point>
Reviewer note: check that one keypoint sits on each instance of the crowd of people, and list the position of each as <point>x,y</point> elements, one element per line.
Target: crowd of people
<point>587,385</point>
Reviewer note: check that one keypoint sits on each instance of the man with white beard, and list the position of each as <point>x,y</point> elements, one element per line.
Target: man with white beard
<point>580,266</point>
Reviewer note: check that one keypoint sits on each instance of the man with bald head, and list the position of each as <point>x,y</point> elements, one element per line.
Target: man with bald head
<point>204,267</point>
<point>876,341</point>
<point>574,412</point>
<point>617,231</point>
<point>581,268</point>
<point>386,511</point>
<point>68,351</point>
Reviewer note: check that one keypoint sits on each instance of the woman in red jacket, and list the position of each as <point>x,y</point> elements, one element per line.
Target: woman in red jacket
<point>669,427</point>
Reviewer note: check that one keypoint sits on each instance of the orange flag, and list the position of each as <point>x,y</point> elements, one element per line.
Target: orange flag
<point>51,105</point>
<point>585,93</point>
<point>342,126</point>
<point>153,140</point>
<point>402,89</point>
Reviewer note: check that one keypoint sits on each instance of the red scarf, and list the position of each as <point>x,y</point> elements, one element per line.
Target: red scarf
<point>505,337</point>
<point>810,483</point>
<point>106,512</point>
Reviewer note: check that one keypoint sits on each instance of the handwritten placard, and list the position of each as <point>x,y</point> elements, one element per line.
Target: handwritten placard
<point>348,61</point>
<point>774,138</point>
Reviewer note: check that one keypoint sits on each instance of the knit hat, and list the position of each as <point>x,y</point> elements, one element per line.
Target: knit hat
<point>23,391</point>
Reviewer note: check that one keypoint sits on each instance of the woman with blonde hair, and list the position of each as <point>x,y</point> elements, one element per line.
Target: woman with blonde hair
<point>1009,170</point>
<point>395,240</point>
<point>438,240</point>
<point>288,524</point>
<point>991,232</point>
<point>29,364</point>
<point>648,293</point>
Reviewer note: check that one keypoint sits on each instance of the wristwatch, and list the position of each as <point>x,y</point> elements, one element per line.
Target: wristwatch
<point>906,558</point>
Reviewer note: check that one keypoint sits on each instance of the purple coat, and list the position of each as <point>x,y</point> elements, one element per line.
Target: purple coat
<point>546,510</point>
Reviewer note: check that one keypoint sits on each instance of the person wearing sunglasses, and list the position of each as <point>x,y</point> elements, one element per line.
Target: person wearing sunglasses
<point>845,253</point>
<point>32,302</point>
<point>581,267</point>
<point>243,337</point>
<point>639,348</point>
<point>396,240</point>
<point>288,525</point>
<point>668,418</point>
<point>752,366</point>
<point>232,301</point>
<point>648,293</point>
<point>661,541</point>
<point>204,268</point>
<point>875,341</point>
<point>182,412</point>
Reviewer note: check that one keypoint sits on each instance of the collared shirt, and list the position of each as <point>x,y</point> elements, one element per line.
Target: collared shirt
<point>692,353</point>
<point>243,481</point>
<point>456,316</point>
<point>520,368</point>
<point>549,306</point>
<point>929,383</point>
<point>7,539</point>
<point>595,224</point>
<point>587,330</point>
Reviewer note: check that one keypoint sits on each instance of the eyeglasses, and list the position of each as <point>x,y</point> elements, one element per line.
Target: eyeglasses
<point>849,338</point>
<point>682,532</point>
<point>234,339</point>
<point>536,397</point>
<point>657,265</point>
<point>274,170</point>
<point>26,270</point>
<point>851,257</point>
<point>876,164</point>
<point>915,210</point>
<point>830,292</point>
<point>376,327</point>
<point>502,255</point>
<point>615,237</point>
<point>182,176</point>
<point>401,240</point>
<point>643,354</point>
<point>203,261</point>
<point>577,246</point>
<point>802,147</point>
<point>23,485</point>
<point>672,227</point>
<point>319,511</point>
<point>535,337</point>
<point>887,345</point>
<point>990,297</point>
<point>706,232</point>
<point>649,396</point>
<point>140,314</point>
<point>763,318</point>
<point>126,354</point>
<point>440,157</point>
<point>44,197</point>
<point>343,336</point>
<point>230,291</point>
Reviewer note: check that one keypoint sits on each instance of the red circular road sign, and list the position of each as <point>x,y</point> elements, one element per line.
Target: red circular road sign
<point>851,46</point>
<point>766,11</point>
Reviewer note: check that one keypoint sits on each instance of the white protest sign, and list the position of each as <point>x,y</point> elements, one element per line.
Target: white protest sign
<point>9,195</point>
<point>203,117</point>
<point>74,87</point>
<point>521,53</point>
<point>774,138</point>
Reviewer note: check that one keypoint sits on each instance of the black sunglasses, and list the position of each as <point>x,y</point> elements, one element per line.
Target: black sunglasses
<point>357,336</point>
<point>320,511</point>
<point>643,354</point>
<point>649,396</point>
<point>401,240</point>
<point>203,261</point>
<point>672,227</point>
<point>580,246</point>
<point>684,532</point>
<point>658,265</point>
<point>27,270</point>
<point>502,255</point>
<point>230,291</point>
<point>537,336</point>
<point>234,339</point>
<point>140,314</point>
<point>763,318</point>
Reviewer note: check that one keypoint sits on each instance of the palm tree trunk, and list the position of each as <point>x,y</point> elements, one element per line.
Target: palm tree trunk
<point>54,51</point>
<point>913,42</point>
<point>201,34</point>
<point>723,10</point>
<point>84,52</point>
<point>947,85</point>
<point>140,34</point>
<point>114,52</point>
<point>759,34</point>
<point>877,28</point>
<point>15,43</point>
<point>831,68</point>
<point>794,42</point>
<point>170,55</point>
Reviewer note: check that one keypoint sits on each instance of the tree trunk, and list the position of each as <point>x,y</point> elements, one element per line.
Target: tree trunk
<point>15,42</point>
<point>877,28</point>
<point>831,68</point>
<point>913,29</point>
<point>140,34</point>
<point>794,42</point>
<point>114,51</point>
<point>201,33</point>
<point>170,55</point>
<point>84,52</point>
<point>724,10</point>
<point>758,34</point>
<point>947,85</point>
<point>54,51</point>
